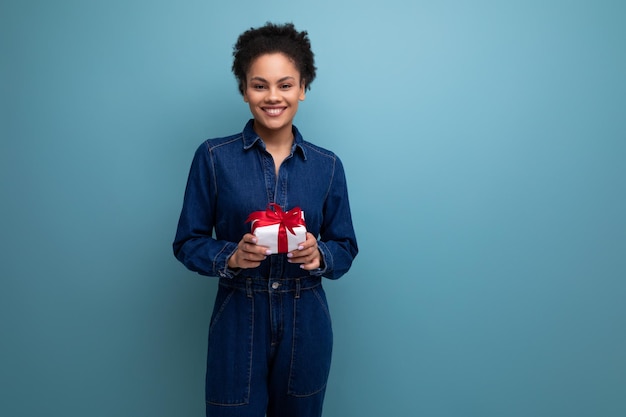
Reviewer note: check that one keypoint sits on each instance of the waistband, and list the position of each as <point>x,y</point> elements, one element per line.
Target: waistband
<point>283,285</point>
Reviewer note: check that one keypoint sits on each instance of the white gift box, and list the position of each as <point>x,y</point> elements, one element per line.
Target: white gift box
<point>268,236</point>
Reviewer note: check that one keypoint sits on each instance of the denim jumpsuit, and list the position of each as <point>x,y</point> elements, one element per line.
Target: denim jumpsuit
<point>270,335</point>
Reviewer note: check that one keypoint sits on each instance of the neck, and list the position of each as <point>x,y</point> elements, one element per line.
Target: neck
<point>275,138</point>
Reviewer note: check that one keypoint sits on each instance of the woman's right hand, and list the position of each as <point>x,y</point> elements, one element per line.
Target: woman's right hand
<point>248,253</point>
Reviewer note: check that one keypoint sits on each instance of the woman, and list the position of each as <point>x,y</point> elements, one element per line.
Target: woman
<point>270,336</point>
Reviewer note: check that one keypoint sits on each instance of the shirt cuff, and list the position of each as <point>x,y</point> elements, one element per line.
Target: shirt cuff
<point>224,270</point>
<point>324,261</point>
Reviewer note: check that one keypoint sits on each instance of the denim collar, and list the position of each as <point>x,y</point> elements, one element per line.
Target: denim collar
<point>250,138</point>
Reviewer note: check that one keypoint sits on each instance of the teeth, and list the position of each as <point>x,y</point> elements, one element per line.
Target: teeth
<point>274,112</point>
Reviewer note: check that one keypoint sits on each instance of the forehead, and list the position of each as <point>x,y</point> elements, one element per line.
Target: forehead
<point>273,65</point>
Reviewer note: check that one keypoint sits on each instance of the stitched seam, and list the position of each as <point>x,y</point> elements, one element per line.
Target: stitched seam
<point>218,315</point>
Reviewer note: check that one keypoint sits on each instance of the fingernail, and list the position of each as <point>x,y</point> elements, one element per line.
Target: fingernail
<point>268,252</point>
<point>290,255</point>
<point>300,247</point>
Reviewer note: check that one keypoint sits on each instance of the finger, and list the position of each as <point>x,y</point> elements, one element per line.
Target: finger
<point>254,251</point>
<point>300,255</point>
<point>306,257</point>
<point>249,260</point>
<point>304,254</point>
<point>307,247</point>
<point>249,244</point>
<point>311,265</point>
<point>309,242</point>
<point>249,238</point>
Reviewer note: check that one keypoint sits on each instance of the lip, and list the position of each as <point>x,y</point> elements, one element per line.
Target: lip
<point>274,111</point>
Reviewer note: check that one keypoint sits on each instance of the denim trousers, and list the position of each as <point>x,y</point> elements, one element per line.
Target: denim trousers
<point>270,346</point>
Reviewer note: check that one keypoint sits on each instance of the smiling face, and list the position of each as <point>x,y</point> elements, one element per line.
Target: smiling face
<point>273,90</point>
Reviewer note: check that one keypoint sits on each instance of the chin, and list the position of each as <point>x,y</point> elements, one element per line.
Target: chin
<point>274,124</point>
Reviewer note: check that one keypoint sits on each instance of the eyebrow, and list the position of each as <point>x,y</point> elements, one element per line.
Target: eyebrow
<point>289,77</point>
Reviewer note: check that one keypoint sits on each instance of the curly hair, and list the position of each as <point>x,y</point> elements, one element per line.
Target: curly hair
<point>273,38</point>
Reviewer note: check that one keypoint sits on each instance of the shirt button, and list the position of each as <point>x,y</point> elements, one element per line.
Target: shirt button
<point>275,285</point>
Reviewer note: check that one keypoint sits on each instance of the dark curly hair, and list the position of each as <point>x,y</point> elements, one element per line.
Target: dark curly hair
<point>273,38</point>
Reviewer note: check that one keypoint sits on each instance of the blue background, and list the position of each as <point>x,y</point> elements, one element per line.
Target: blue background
<point>484,144</point>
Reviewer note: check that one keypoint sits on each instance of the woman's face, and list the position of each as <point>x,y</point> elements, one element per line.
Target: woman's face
<point>273,90</point>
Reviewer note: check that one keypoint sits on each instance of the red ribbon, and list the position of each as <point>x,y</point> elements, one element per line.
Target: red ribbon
<point>287,220</point>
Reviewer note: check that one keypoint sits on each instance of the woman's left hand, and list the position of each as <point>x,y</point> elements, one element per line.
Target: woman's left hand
<point>307,254</point>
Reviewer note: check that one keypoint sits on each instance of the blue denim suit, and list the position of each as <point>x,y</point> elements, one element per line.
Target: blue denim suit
<point>270,337</point>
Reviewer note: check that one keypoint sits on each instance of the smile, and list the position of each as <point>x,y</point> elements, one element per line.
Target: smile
<point>274,111</point>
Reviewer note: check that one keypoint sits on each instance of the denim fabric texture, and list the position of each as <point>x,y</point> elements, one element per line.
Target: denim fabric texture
<point>232,177</point>
<point>270,337</point>
<point>277,362</point>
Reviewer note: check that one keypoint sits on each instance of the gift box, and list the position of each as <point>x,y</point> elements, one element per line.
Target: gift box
<point>281,231</point>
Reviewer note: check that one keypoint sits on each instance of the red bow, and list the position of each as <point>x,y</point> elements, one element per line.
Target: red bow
<point>287,220</point>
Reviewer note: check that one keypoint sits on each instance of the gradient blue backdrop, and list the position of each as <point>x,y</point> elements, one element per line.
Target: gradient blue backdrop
<point>485,148</point>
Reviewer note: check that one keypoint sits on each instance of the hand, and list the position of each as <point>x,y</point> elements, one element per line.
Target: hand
<point>307,254</point>
<point>248,253</point>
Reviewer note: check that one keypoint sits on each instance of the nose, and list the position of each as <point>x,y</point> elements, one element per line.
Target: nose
<point>273,94</point>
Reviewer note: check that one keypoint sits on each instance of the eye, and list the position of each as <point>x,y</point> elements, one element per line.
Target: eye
<point>258,87</point>
<point>286,86</point>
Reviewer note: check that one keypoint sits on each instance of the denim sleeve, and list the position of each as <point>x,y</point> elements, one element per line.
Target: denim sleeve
<point>337,240</point>
<point>194,244</point>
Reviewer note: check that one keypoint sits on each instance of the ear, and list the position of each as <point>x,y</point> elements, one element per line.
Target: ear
<point>244,92</point>
<point>302,95</point>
